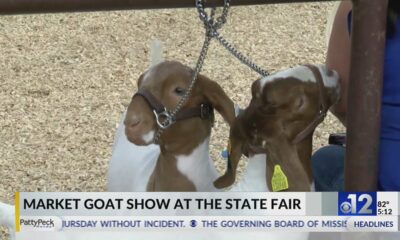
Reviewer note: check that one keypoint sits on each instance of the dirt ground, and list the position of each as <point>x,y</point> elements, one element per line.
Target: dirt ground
<point>65,79</point>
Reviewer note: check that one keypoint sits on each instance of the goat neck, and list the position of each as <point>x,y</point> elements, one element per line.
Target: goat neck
<point>284,153</point>
<point>184,161</point>
<point>304,151</point>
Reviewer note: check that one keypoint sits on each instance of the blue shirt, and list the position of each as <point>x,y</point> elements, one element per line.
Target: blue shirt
<point>389,147</point>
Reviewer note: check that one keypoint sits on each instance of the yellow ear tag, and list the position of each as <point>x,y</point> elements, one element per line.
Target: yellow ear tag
<point>279,180</point>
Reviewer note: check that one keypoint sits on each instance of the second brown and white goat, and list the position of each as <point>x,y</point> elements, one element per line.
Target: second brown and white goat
<point>283,113</point>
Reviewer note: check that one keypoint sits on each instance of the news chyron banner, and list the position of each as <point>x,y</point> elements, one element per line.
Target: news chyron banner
<point>223,215</point>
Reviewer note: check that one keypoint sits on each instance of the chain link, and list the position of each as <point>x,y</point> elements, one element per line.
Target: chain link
<point>213,31</point>
<point>243,59</point>
<point>211,26</point>
<point>185,97</point>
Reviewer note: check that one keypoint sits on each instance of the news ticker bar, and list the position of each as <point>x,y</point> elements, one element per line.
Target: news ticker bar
<point>212,223</point>
<point>160,211</point>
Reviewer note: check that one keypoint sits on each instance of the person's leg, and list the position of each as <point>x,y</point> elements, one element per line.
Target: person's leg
<point>328,168</point>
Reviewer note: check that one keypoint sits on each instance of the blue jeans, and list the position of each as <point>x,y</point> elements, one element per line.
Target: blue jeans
<point>328,168</point>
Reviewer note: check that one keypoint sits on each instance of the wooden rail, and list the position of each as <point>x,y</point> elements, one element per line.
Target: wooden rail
<point>52,6</point>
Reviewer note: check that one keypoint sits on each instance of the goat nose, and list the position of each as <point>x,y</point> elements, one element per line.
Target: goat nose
<point>132,121</point>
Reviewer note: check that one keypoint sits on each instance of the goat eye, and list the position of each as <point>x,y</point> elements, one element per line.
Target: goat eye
<point>179,91</point>
<point>299,103</point>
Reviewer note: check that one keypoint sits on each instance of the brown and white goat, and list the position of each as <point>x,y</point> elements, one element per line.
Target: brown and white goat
<point>180,161</point>
<point>283,113</point>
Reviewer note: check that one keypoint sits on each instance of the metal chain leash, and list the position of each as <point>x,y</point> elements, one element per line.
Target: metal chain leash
<point>214,32</point>
<point>211,25</point>
<point>170,116</point>
<point>243,59</point>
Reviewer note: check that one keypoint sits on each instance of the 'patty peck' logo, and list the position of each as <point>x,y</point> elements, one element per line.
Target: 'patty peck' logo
<point>38,223</point>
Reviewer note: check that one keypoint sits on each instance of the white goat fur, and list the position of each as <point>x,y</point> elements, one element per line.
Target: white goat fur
<point>156,51</point>
<point>7,218</point>
<point>131,167</point>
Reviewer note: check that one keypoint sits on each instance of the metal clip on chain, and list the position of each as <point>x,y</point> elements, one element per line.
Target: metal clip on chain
<point>164,119</point>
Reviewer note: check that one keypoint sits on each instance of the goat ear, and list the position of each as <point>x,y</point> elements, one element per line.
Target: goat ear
<point>218,99</point>
<point>235,152</point>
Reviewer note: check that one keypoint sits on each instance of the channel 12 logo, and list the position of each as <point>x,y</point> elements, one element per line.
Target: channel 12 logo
<point>357,204</point>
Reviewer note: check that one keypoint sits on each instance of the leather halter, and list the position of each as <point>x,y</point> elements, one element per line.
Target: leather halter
<point>323,106</point>
<point>163,116</point>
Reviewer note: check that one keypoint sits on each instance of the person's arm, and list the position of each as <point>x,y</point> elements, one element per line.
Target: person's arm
<point>338,56</point>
